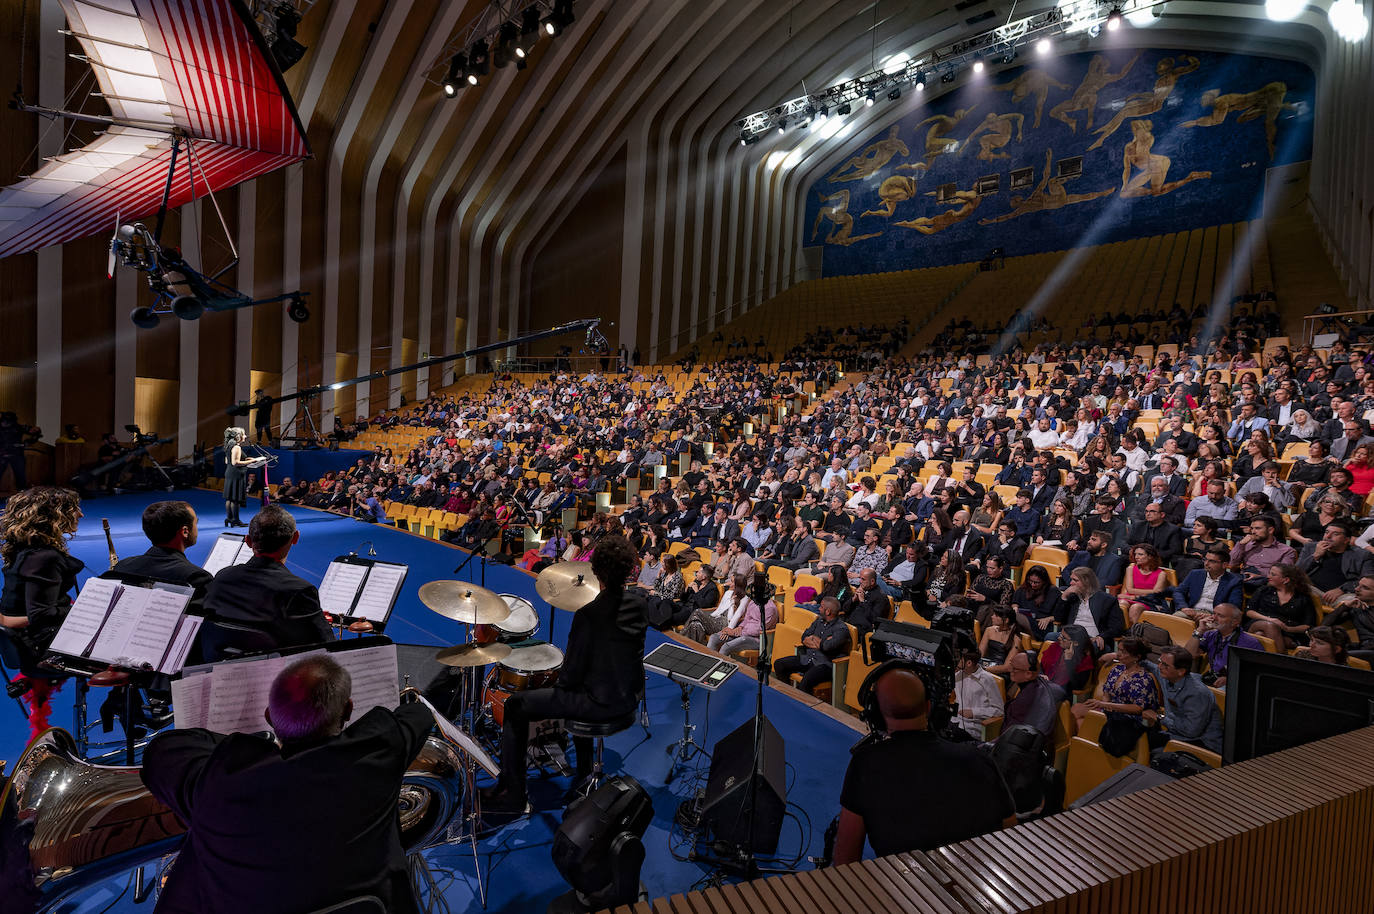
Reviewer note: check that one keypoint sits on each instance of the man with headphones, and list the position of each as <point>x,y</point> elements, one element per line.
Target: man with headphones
<point>967,796</point>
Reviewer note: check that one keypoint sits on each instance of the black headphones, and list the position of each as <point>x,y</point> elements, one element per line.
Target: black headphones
<point>869,712</point>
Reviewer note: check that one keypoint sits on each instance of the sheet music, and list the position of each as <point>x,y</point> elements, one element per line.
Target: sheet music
<point>238,694</point>
<point>191,701</point>
<point>379,591</point>
<point>84,618</point>
<point>460,738</point>
<point>141,626</point>
<point>180,648</point>
<point>229,549</point>
<point>340,587</point>
<point>376,682</point>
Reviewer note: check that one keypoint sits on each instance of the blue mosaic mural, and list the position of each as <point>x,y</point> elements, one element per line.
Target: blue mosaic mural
<point>1067,151</point>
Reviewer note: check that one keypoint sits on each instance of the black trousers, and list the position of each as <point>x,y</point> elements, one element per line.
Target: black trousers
<point>525,708</point>
<point>813,674</point>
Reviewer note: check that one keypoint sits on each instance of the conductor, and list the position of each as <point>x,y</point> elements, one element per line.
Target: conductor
<point>600,680</point>
<point>235,475</point>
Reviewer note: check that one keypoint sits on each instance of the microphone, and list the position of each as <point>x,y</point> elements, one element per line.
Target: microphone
<point>371,550</point>
<point>758,588</point>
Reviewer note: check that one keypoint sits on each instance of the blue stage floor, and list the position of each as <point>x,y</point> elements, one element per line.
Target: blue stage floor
<point>516,858</point>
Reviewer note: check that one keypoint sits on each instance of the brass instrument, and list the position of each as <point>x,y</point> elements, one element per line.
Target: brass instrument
<point>109,541</point>
<point>92,821</point>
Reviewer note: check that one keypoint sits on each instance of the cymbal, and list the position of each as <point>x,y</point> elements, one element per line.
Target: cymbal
<point>568,585</point>
<point>473,654</point>
<point>464,602</point>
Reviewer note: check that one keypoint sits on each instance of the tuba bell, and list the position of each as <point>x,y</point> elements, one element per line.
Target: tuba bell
<point>81,823</point>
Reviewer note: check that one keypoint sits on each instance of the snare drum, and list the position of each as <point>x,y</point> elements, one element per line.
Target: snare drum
<point>533,667</point>
<point>522,623</point>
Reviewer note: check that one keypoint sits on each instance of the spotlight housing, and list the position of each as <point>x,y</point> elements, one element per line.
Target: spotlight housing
<point>558,20</point>
<point>869,99</point>
<point>978,65</point>
<point>1348,19</point>
<point>782,125</point>
<point>529,32</point>
<point>504,52</point>
<point>453,79</point>
<point>823,113</point>
<point>1114,19</point>
<point>1044,46</point>
<point>948,77</point>
<point>920,82</point>
<point>843,109</point>
<point>1283,10</point>
<point>479,58</point>
<point>894,93</point>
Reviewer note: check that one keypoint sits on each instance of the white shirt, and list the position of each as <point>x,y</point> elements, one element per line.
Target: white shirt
<point>730,609</point>
<point>1085,619</point>
<point>1135,458</point>
<point>977,692</point>
<point>1046,439</point>
<point>1209,593</point>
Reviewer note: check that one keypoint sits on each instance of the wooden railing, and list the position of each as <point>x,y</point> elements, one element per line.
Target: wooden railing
<point>1292,831</point>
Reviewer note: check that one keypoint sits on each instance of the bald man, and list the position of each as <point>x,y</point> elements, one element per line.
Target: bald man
<point>961,793</point>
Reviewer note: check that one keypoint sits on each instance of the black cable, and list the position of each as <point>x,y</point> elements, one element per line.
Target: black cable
<point>117,898</point>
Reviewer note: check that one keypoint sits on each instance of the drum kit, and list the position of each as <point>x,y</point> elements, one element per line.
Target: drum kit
<point>501,632</point>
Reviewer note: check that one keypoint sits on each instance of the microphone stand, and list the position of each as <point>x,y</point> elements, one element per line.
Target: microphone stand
<point>480,550</point>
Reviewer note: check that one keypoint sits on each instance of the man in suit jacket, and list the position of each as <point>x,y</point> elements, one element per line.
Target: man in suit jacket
<point>1158,494</point>
<point>963,539</point>
<point>262,605</point>
<point>1208,587</point>
<point>172,527</point>
<point>1099,557</point>
<point>714,528</point>
<point>258,813</point>
<point>1167,470</point>
<point>796,551</point>
<point>1086,604</point>
<point>1164,536</point>
<point>1042,493</point>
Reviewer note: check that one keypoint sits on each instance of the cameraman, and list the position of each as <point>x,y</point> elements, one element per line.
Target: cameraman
<point>969,796</point>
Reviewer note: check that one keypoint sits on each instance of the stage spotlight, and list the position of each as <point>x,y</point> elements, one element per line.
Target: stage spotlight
<point>453,79</point>
<point>479,58</point>
<point>599,847</point>
<point>286,50</point>
<point>1008,57</point>
<point>782,125</point>
<point>948,77</point>
<point>504,52</point>
<point>144,318</point>
<point>1114,19</point>
<point>824,113</point>
<point>1348,19</point>
<point>869,99</point>
<point>187,307</point>
<point>978,65</point>
<point>810,112</point>
<point>1044,46</point>
<point>1283,10</point>
<point>843,109</point>
<point>296,309</point>
<point>894,93</point>
<point>529,32</point>
<point>561,17</point>
<point>920,82</point>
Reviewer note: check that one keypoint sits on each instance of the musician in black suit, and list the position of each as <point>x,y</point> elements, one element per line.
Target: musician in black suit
<point>601,677</point>
<point>259,605</point>
<point>292,826</point>
<point>172,527</point>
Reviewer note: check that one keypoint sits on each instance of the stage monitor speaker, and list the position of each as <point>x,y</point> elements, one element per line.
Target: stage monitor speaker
<point>726,807</point>
<point>1126,781</point>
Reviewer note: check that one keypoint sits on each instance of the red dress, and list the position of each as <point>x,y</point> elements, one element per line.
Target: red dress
<point>1362,478</point>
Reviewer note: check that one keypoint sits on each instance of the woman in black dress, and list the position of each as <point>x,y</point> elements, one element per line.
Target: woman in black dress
<point>39,576</point>
<point>235,475</point>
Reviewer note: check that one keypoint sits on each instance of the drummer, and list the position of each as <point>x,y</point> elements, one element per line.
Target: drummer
<point>601,677</point>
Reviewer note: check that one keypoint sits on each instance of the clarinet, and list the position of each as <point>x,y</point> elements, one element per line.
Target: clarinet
<point>109,540</point>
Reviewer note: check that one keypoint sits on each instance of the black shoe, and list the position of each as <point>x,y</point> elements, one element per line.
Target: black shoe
<point>503,801</point>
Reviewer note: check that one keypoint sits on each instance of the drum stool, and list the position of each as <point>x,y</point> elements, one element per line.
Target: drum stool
<point>598,731</point>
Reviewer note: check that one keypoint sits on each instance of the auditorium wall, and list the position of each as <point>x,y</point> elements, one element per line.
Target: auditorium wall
<point>1067,151</point>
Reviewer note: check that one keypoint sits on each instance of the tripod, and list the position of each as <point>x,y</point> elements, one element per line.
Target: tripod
<point>687,748</point>
<point>304,415</point>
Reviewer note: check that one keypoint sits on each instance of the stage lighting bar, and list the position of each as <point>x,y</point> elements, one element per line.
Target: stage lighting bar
<point>505,31</point>
<point>1001,44</point>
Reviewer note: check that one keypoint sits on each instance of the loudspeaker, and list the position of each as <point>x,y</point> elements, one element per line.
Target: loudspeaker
<point>726,807</point>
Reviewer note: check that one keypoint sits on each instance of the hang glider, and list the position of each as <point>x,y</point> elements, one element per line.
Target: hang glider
<point>196,106</point>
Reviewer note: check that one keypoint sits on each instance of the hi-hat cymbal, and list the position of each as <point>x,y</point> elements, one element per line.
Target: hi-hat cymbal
<point>464,602</point>
<point>473,654</point>
<point>568,585</point>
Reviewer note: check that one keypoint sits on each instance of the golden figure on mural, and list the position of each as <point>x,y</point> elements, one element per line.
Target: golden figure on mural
<point>1266,102</point>
<point>1048,194</point>
<point>1143,104</point>
<point>998,129</point>
<point>1153,169</point>
<point>937,140</point>
<point>871,159</point>
<point>895,189</point>
<point>1084,98</point>
<point>835,207</point>
<point>929,225</point>
<point>1031,82</point>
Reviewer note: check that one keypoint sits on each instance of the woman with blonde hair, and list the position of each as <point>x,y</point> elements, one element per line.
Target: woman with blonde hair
<point>235,475</point>
<point>39,576</point>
